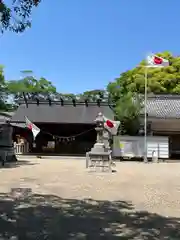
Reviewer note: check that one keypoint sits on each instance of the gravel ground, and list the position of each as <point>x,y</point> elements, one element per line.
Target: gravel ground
<point>61,199</point>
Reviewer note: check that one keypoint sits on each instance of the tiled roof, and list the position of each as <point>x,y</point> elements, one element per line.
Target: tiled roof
<point>61,114</point>
<point>163,106</point>
<point>5,116</point>
<point>158,106</point>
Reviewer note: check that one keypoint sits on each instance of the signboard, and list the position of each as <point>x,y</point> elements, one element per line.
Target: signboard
<point>126,149</point>
<point>133,146</point>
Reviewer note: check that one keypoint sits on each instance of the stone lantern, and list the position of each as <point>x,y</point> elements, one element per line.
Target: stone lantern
<point>99,156</point>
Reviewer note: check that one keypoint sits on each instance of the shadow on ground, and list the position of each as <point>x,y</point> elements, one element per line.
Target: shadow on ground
<point>29,216</point>
<point>18,163</point>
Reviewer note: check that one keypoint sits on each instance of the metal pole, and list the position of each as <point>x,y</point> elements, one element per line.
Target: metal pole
<point>145,116</point>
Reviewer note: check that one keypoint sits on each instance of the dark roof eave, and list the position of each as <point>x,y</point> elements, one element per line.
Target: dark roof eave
<point>84,123</point>
<point>156,117</point>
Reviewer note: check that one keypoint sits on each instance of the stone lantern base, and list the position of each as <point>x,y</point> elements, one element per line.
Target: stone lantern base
<point>99,158</point>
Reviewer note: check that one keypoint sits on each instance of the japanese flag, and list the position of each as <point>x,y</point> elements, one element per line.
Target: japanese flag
<point>35,130</point>
<point>111,126</point>
<point>155,61</point>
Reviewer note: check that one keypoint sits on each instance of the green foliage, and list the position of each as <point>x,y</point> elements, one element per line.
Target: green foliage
<point>16,17</point>
<point>93,95</point>
<point>3,91</point>
<point>127,110</point>
<point>68,96</point>
<point>31,86</point>
<point>128,107</point>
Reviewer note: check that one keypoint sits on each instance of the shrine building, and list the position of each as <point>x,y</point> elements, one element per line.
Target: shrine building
<point>67,127</point>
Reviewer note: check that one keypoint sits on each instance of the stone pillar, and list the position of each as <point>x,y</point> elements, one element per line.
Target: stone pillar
<point>106,139</point>
<point>100,128</point>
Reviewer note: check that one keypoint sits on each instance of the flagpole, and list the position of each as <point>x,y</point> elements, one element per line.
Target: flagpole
<point>152,61</point>
<point>145,115</point>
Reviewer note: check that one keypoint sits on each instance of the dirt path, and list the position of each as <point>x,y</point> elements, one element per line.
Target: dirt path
<point>139,201</point>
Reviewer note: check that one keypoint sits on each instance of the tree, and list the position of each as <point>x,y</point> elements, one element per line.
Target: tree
<point>4,106</point>
<point>93,95</point>
<point>127,110</point>
<point>16,17</point>
<point>130,85</point>
<point>67,96</point>
<point>31,86</point>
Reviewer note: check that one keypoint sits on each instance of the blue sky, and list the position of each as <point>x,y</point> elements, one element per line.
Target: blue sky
<point>83,44</point>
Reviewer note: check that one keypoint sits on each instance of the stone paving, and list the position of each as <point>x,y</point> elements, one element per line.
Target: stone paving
<point>61,199</point>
